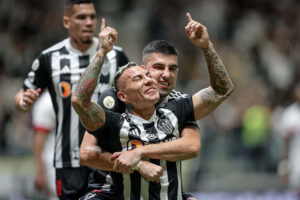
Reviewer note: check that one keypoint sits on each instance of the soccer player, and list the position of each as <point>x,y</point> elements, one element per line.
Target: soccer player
<point>141,126</point>
<point>59,68</point>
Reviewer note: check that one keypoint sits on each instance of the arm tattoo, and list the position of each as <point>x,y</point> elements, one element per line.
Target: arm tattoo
<point>219,78</point>
<point>89,79</point>
<point>91,114</point>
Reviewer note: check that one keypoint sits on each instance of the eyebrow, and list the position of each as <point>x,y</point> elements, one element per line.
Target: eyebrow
<point>173,65</point>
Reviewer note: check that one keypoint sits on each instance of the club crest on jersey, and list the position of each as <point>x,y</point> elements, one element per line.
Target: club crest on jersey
<point>64,89</point>
<point>109,102</point>
<point>165,125</point>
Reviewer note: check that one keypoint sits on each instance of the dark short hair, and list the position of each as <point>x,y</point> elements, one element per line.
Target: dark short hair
<point>120,72</point>
<point>70,3</point>
<point>160,46</point>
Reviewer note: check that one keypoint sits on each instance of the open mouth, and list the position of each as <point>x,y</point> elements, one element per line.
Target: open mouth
<point>164,84</point>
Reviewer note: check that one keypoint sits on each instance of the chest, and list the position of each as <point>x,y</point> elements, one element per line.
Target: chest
<point>66,71</point>
<point>161,128</point>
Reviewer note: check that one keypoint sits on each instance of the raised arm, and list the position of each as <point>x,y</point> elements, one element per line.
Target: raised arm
<point>91,114</point>
<point>221,86</point>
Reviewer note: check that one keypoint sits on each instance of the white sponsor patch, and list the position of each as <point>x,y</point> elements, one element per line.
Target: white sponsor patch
<point>35,65</point>
<point>109,102</point>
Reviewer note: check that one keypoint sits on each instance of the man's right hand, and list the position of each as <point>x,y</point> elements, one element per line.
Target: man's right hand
<point>30,96</point>
<point>25,99</point>
<point>150,171</point>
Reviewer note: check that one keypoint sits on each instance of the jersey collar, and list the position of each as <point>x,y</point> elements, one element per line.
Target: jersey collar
<point>90,51</point>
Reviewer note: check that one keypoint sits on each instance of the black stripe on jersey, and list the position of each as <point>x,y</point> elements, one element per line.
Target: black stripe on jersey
<point>66,157</point>
<point>83,63</point>
<point>154,187</point>
<point>81,133</point>
<point>121,59</point>
<point>173,180</point>
<point>135,181</point>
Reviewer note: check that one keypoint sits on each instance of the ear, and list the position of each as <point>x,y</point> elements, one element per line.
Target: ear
<point>66,21</point>
<point>122,96</point>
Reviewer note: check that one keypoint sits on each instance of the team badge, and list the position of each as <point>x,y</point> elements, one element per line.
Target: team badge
<point>165,125</point>
<point>35,65</point>
<point>109,102</point>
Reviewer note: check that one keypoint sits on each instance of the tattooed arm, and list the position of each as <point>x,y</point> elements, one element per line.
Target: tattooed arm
<point>206,100</point>
<point>91,114</point>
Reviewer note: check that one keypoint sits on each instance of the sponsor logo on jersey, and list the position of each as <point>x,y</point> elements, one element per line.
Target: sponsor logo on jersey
<point>134,131</point>
<point>151,132</point>
<point>132,144</point>
<point>64,89</point>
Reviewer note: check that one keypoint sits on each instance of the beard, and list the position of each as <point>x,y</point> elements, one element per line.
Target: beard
<point>87,40</point>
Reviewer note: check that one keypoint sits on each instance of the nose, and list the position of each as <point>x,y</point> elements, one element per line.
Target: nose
<point>149,81</point>
<point>89,21</point>
<point>166,73</point>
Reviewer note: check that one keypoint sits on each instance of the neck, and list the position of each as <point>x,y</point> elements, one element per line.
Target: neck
<point>145,113</point>
<point>161,100</point>
<point>79,45</point>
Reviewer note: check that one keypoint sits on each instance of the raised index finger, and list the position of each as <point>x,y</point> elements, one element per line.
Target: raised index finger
<point>103,24</point>
<point>189,17</point>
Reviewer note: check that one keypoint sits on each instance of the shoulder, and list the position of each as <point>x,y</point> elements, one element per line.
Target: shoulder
<point>118,49</point>
<point>109,100</point>
<point>55,47</point>
<point>176,95</point>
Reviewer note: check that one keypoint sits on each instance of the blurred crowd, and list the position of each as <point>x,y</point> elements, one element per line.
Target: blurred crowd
<point>258,41</point>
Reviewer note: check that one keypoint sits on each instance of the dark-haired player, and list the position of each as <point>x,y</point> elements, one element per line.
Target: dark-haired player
<point>59,68</point>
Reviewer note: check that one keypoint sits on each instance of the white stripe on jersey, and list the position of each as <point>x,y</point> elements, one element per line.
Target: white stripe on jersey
<point>127,183</point>
<point>164,181</point>
<point>179,191</point>
<point>144,188</point>
<point>74,130</point>
<point>113,64</point>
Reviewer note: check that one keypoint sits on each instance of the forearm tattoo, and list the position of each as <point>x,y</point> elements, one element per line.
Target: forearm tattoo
<point>89,79</point>
<point>219,78</point>
<point>221,84</point>
<point>91,114</point>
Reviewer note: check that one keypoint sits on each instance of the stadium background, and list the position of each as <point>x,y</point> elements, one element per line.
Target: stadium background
<point>259,42</point>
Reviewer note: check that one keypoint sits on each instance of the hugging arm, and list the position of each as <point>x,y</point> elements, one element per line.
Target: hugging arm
<point>186,147</point>
<point>93,156</point>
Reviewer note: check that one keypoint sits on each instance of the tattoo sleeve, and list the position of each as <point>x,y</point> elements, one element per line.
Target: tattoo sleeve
<point>91,114</point>
<point>221,84</point>
<point>219,78</point>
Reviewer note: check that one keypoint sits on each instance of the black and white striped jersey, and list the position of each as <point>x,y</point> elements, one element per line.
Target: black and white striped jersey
<point>59,68</point>
<point>125,131</point>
